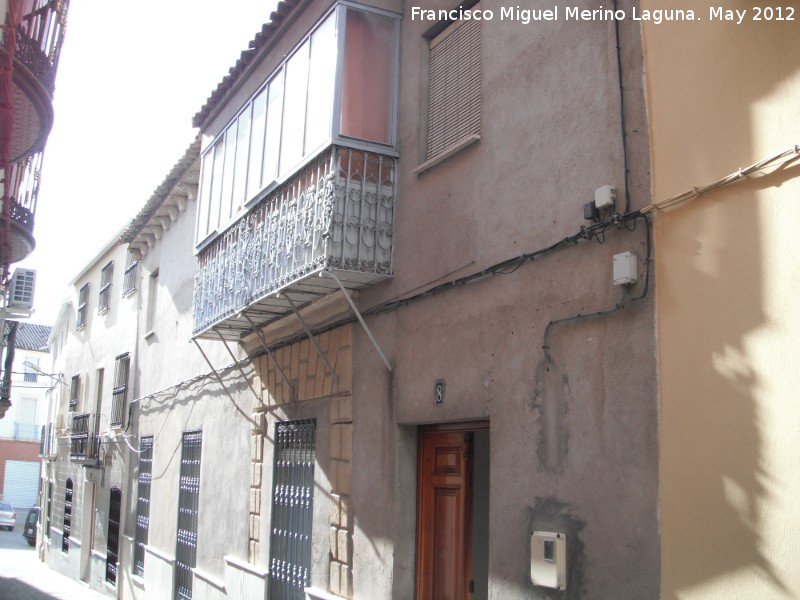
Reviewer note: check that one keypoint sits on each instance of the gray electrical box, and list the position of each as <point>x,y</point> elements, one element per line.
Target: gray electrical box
<point>625,269</point>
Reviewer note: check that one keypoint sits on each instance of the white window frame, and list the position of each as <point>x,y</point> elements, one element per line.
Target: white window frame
<point>213,227</point>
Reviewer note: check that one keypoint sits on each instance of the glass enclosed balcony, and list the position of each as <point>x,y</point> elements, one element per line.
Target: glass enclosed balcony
<point>302,179</point>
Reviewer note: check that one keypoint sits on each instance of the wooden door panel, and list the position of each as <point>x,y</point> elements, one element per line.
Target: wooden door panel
<point>444,505</point>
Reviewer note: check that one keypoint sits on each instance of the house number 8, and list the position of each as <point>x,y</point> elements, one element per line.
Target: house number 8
<point>438,393</point>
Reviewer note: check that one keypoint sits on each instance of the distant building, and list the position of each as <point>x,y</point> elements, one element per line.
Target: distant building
<point>21,428</point>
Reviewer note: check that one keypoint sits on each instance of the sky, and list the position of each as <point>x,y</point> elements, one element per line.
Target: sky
<point>130,78</point>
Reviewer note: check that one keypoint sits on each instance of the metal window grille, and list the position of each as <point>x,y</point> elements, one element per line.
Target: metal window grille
<point>83,306</point>
<point>188,508</point>
<point>454,100</point>
<point>67,517</point>
<point>30,375</point>
<point>112,546</point>
<point>292,508</point>
<point>129,281</point>
<point>120,393</point>
<point>143,504</point>
<point>49,515</point>
<point>106,275</point>
<point>43,442</point>
<point>74,391</point>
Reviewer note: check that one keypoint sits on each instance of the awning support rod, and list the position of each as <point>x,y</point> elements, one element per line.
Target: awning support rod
<point>271,355</point>
<point>238,366</point>
<point>219,379</point>
<point>324,358</point>
<point>332,275</point>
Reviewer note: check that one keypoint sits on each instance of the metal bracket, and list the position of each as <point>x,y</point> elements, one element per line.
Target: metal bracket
<point>219,379</point>
<point>269,352</point>
<point>332,275</point>
<point>238,366</point>
<point>324,358</point>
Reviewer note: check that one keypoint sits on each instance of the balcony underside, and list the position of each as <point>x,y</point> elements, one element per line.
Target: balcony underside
<point>303,292</point>
<point>336,215</point>
<point>32,112</point>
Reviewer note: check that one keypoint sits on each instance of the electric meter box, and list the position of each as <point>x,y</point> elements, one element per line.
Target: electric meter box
<point>625,272</point>
<point>549,560</point>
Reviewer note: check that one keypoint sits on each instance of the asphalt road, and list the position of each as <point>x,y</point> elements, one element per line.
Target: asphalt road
<point>24,577</point>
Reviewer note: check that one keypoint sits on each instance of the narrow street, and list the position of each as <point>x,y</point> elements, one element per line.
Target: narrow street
<point>24,577</point>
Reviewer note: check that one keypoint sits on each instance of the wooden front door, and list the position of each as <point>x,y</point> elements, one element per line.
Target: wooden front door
<point>444,515</point>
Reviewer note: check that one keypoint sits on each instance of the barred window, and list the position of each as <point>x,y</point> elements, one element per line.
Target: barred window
<point>292,508</point>
<point>67,517</point>
<point>131,269</point>
<point>112,545</point>
<point>83,306</point>
<point>143,504</point>
<point>454,93</point>
<point>106,275</point>
<point>120,393</point>
<point>74,392</point>
<point>31,374</point>
<point>188,508</point>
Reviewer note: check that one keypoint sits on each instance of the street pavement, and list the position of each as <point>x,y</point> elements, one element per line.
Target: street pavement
<point>24,577</point>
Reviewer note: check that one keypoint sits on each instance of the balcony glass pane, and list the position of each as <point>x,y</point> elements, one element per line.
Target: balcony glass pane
<point>321,80</point>
<point>227,174</point>
<point>240,170</point>
<point>368,81</point>
<point>272,142</point>
<point>294,109</point>
<point>257,132</point>
<point>216,185</point>
<point>205,196</point>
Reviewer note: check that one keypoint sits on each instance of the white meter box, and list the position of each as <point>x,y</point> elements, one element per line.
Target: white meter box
<point>549,559</point>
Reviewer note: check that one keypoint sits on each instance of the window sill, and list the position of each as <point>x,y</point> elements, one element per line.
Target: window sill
<point>150,333</point>
<point>447,153</point>
<point>103,311</point>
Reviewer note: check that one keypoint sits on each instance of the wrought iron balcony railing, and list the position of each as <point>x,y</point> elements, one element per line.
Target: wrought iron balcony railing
<point>84,441</point>
<point>39,36</point>
<point>336,214</point>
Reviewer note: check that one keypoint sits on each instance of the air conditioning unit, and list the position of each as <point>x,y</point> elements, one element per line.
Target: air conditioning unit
<point>20,295</point>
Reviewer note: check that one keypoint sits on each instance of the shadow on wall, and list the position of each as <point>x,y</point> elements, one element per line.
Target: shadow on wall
<point>717,492</point>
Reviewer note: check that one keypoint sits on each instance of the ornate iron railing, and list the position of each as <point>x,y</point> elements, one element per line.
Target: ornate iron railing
<point>84,441</point>
<point>22,190</point>
<point>39,37</point>
<point>337,213</point>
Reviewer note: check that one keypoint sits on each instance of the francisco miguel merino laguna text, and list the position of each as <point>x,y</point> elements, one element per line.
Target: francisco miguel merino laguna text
<point>568,13</point>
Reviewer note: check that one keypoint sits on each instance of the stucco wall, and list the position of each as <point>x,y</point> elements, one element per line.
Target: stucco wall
<point>723,96</point>
<point>573,443</point>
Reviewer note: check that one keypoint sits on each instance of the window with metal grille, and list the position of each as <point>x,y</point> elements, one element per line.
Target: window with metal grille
<point>292,508</point>
<point>454,92</point>
<point>31,374</point>
<point>131,268</point>
<point>49,515</point>
<point>106,275</point>
<point>143,504</point>
<point>112,546</point>
<point>74,392</point>
<point>188,508</point>
<point>120,393</point>
<point>83,306</point>
<point>67,517</point>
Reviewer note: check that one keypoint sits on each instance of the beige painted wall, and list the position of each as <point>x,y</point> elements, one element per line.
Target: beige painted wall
<point>722,96</point>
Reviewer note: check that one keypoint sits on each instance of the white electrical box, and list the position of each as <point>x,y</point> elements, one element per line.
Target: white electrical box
<point>625,269</point>
<point>605,196</point>
<point>549,560</point>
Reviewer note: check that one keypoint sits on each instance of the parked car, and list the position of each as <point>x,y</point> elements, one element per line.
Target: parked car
<point>8,518</point>
<point>31,526</point>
